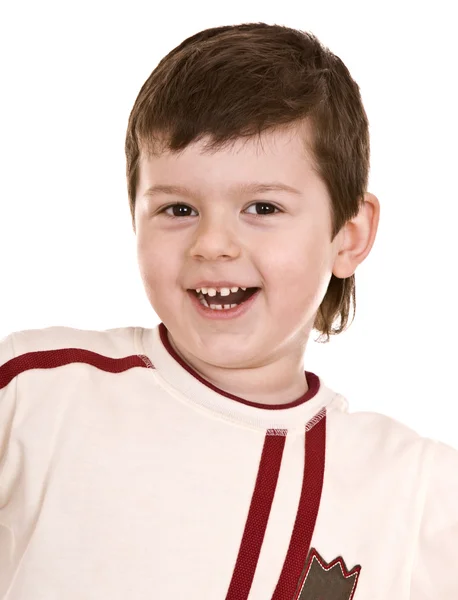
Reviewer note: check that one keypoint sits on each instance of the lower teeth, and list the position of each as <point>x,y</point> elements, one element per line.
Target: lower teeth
<point>204,302</point>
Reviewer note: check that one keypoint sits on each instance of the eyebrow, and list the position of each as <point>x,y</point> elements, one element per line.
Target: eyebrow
<point>242,188</point>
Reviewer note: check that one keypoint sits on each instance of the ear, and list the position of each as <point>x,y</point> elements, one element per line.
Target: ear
<point>356,238</point>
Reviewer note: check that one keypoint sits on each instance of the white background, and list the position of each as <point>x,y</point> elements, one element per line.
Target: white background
<point>70,74</point>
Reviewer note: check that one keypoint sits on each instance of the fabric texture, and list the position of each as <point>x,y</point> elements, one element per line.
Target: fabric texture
<point>124,474</point>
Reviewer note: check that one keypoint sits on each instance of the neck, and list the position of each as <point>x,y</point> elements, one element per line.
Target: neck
<point>280,380</point>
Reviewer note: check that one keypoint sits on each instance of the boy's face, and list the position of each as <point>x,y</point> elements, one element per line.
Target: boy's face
<point>222,234</point>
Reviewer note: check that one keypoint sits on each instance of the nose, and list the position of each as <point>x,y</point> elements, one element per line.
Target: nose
<point>214,238</point>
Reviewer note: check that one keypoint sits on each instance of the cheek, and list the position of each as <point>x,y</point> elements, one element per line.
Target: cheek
<point>151,264</point>
<point>297,278</point>
<point>293,269</point>
<point>159,269</point>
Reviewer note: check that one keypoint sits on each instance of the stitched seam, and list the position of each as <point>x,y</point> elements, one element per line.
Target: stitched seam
<point>182,398</point>
<point>164,384</point>
<point>316,419</point>
<point>328,568</point>
<point>146,361</point>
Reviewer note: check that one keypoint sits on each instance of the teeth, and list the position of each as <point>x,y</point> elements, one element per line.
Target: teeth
<point>217,306</point>
<point>223,291</point>
<point>222,307</point>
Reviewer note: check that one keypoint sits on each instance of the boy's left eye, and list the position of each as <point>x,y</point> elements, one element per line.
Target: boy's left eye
<point>264,204</point>
<point>185,206</point>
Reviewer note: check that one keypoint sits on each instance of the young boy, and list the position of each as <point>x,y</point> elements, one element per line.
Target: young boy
<point>198,459</point>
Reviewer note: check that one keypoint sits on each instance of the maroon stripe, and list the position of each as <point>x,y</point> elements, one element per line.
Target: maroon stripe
<point>258,515</point>
<point>49,359</point>
<point>307,512</point>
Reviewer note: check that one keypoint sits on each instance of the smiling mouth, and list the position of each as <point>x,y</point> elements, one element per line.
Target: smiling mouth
<point>233,298</point>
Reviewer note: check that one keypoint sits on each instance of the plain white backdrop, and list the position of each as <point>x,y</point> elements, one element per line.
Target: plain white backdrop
<point>70,74</point>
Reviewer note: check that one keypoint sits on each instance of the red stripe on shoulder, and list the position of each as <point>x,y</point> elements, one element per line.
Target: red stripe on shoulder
<point>50,359</point>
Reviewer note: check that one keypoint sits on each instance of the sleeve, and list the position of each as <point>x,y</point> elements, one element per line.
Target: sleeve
<point>7,413</point>
<point>435,566</point>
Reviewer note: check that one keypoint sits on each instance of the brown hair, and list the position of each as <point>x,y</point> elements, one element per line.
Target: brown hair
<point>238,81</point>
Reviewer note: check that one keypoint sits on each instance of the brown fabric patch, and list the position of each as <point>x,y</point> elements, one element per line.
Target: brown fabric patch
<point>323,581</point>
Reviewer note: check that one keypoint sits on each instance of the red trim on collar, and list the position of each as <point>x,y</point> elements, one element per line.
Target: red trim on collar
<point>313,381</point>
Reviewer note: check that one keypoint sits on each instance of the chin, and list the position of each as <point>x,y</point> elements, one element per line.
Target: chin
<point>229,360</point>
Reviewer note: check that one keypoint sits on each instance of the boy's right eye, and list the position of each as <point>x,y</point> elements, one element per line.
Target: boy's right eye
<point>173,207</point>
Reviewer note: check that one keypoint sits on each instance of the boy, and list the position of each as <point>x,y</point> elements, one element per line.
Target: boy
<point>198,459</point>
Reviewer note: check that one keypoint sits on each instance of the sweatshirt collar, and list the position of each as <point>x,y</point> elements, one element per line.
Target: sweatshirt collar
<point>180,378</point>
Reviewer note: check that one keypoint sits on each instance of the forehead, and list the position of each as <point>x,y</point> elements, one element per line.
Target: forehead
<point>283,155</point>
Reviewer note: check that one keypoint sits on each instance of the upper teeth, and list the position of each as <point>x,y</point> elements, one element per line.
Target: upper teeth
<point>222,291</point>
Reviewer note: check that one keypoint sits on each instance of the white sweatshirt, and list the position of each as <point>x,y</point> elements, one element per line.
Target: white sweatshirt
<point>125,475</point>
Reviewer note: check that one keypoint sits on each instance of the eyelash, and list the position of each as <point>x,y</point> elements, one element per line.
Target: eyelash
<point>257,216</point>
